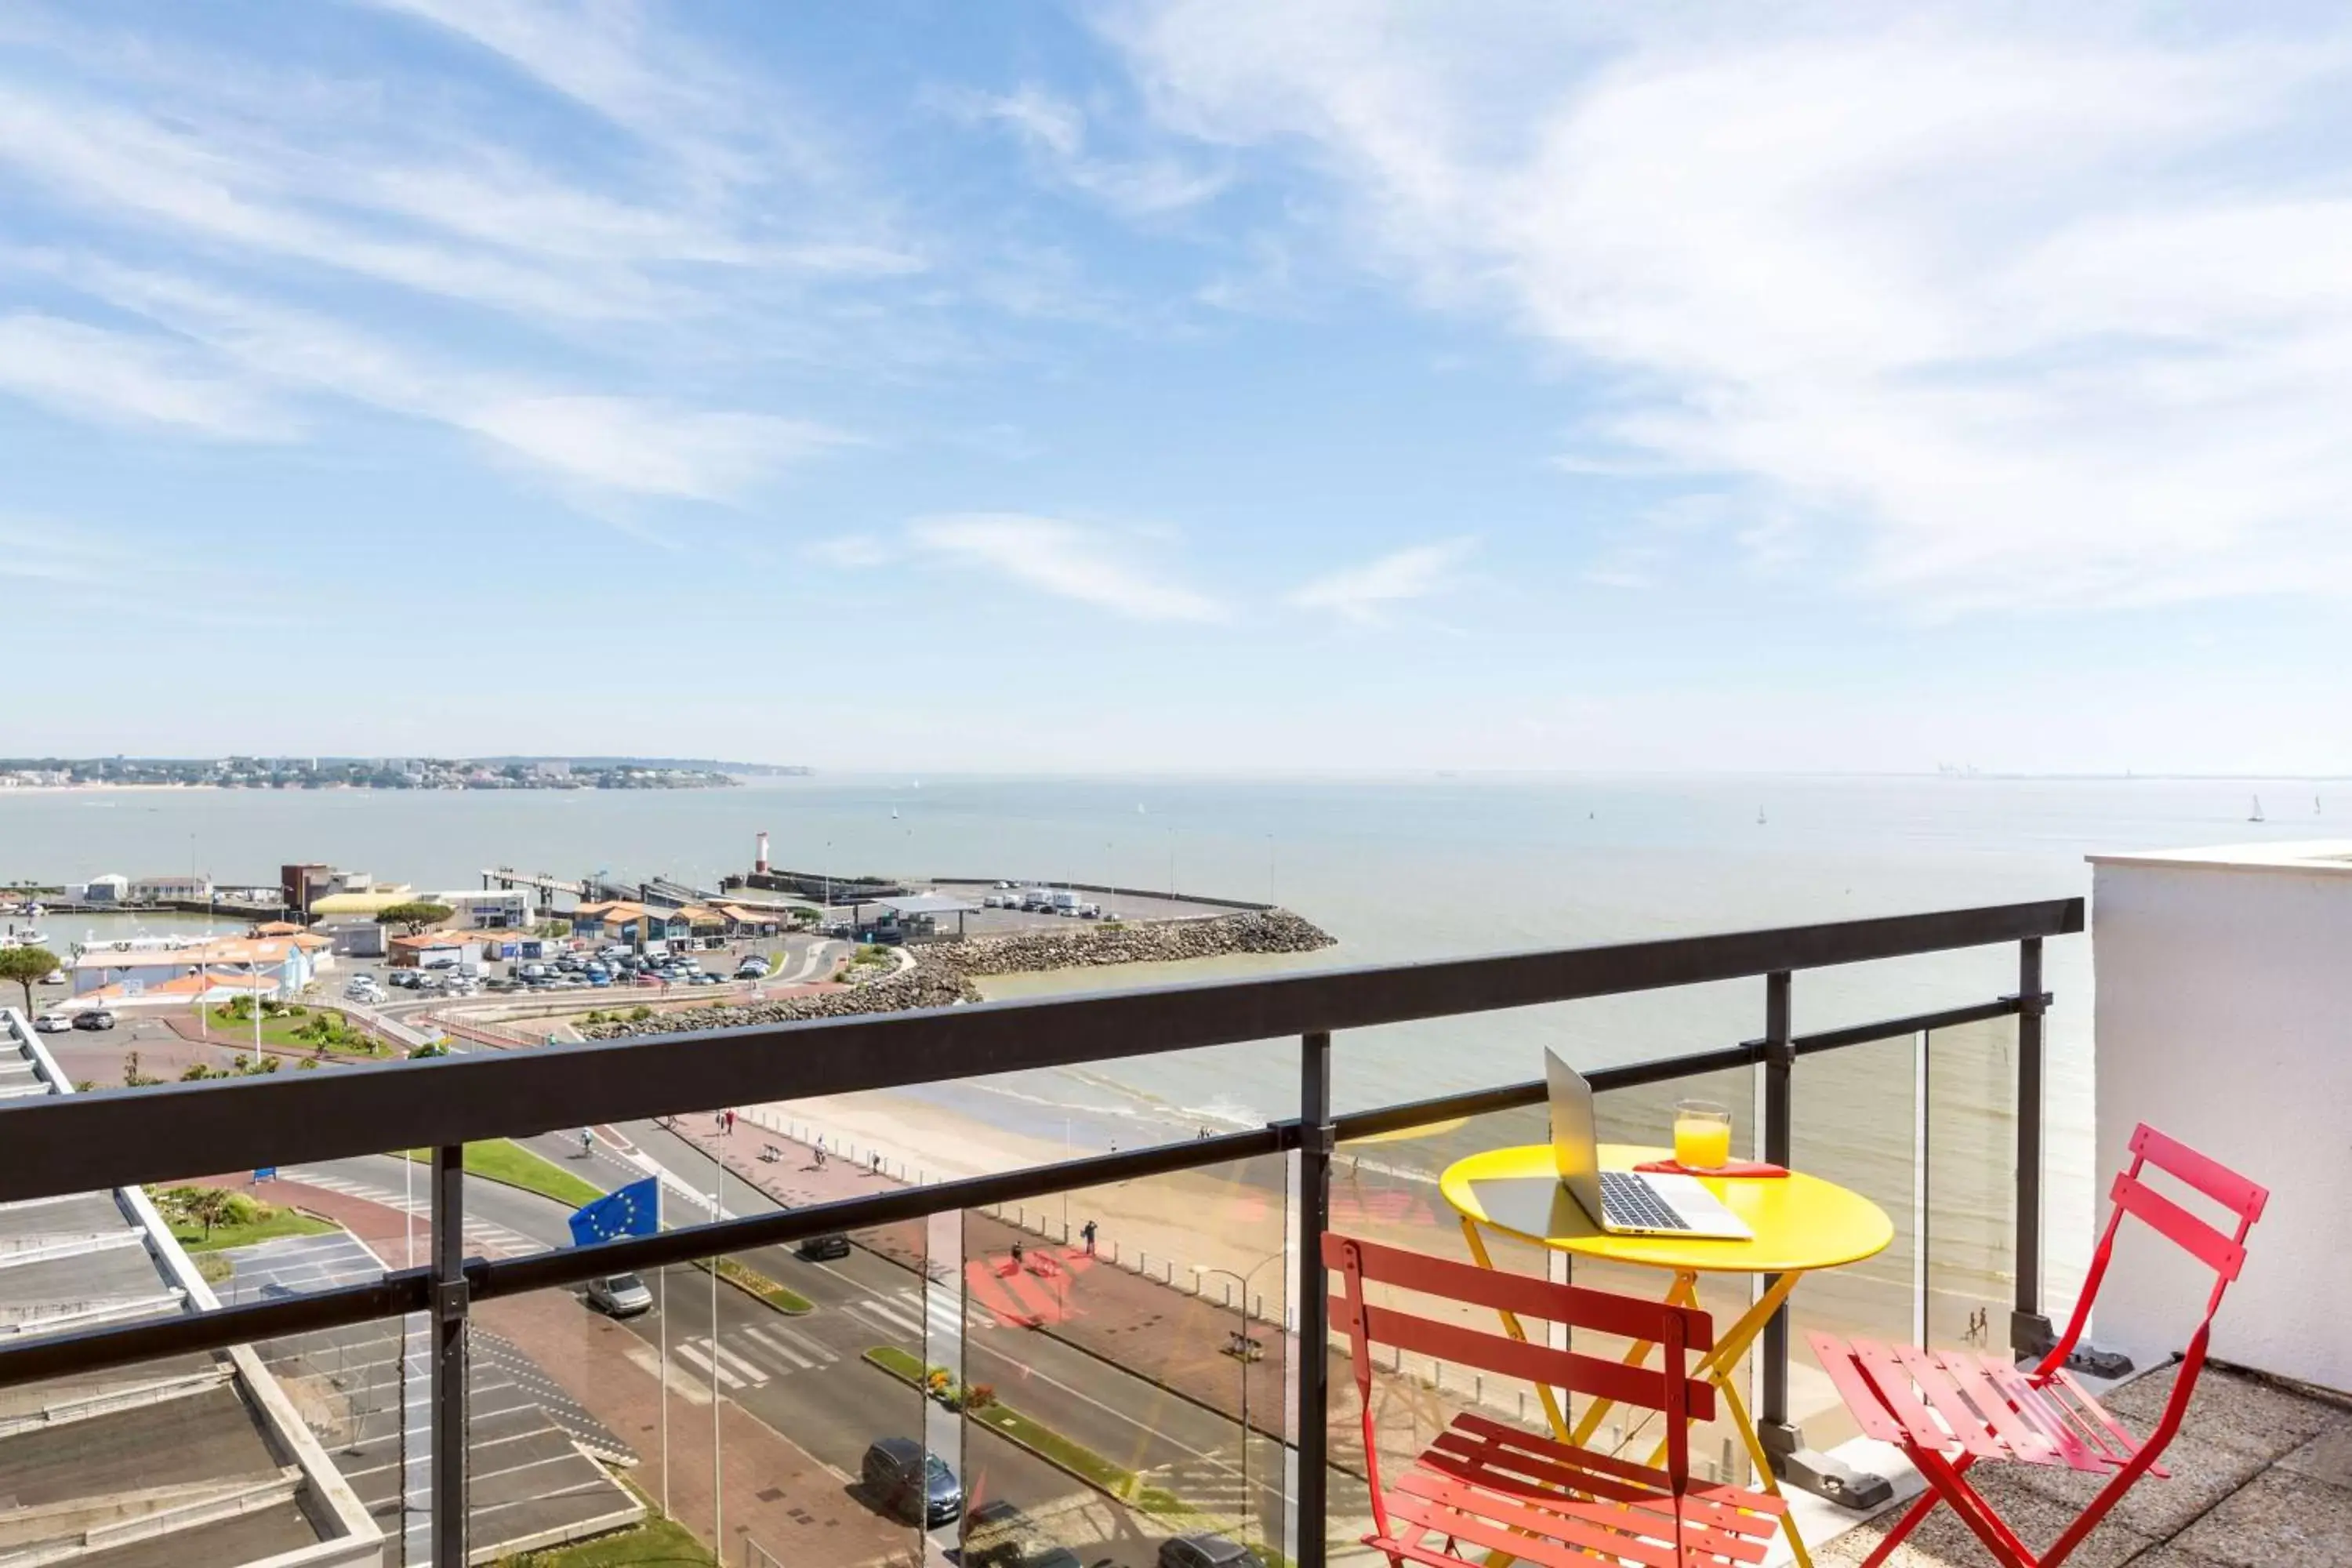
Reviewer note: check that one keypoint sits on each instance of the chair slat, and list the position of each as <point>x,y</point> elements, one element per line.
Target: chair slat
<point>2047,1419</point>
<point>1510,1468</point>
<point>2090,1409</point>
<point>1869,1411</point>
<point>1902,1401</point>
<point>1544,1512</point>
<point>1487,1427</point>
<point>1602,1311</point>
<point>1535,1540</point>
<point>2184,1229</point>
<point>2025,1441</point>
<point>2233,1192</point>
<point>1459,1344</point>
<point>1968,1428</point>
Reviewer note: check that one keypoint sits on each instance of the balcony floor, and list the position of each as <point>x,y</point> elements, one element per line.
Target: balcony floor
<point>2262,1477</point>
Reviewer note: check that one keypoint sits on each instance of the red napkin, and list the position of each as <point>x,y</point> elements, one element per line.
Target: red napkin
<point>1745,1170</point>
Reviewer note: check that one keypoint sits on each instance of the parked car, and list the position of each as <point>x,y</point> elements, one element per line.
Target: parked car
<point>911,1483</point>
<point>823,1248</point>
<point>620,1295</point>
<point>96,1018</point>
<point>54,977</point>
<point>53,1022</point>
<point>1205,1551</point>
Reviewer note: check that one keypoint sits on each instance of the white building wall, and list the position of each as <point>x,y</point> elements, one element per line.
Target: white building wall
<point>2224,1019</point>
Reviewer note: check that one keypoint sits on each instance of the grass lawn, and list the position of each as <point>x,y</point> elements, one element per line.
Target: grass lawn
<point>1043,1440</point>
<point>517,1167</point>
<point>280,1222</point>
<point>657,1543</point>
<point>280,1032</point>
<point>751,1281</point>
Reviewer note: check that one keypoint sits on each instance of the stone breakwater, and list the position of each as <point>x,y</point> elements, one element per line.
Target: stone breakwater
<point>942,972</point>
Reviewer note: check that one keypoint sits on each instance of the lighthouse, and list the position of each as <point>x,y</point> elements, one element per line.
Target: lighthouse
<point>760,860</point>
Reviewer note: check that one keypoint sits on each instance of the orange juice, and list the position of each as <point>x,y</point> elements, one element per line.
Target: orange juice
<point>1702,1142</point>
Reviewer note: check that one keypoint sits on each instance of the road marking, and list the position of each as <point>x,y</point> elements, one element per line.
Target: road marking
<point>695,1357</point>
<point>641,1355</point>
<point>887,1315</point>
<point>749,1370</point>
<point>776,1345</point>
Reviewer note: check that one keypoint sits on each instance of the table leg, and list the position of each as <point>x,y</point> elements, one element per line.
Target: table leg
<point>1683,1292</point>
<point>1511,1326</point>
<point>1718,1366</point>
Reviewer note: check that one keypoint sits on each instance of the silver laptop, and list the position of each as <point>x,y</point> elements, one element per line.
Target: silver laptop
<point>1624,1203</point>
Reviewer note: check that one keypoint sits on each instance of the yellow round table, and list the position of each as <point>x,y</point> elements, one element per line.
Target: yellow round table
<point>1800,1223</point>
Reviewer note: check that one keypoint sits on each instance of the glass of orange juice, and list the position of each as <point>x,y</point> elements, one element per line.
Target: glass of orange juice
<point>1702,1135</point>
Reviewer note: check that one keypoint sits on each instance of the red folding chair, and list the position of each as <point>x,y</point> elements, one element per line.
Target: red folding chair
<point>1948,1409</point>
<point>1489,1486</point>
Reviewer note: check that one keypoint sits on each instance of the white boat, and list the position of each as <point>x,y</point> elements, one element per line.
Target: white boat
<point>2257,815</point>
<point>28,937</point>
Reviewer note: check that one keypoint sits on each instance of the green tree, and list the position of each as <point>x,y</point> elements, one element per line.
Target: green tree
<point>414,915</point>
<point>208,1207</point>
<point>26,964</point>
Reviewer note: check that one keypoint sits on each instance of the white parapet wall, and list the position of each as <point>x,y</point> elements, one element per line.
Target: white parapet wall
<point>2224,1019</point>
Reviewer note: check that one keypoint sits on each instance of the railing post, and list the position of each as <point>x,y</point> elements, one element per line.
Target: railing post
<point>1311,1358</point>
<point>1779,1117</point>
<point>2030,1332</point>
<point>1795,1465</point>
<point>449,1352</point>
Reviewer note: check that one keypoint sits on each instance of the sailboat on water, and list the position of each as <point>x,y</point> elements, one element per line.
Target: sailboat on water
<point>2257,815</point>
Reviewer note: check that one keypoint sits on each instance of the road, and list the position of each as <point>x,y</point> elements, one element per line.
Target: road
<point>805,1377</point>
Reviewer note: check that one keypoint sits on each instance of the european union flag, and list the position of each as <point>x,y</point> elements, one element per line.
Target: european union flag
<point>634,1210</point>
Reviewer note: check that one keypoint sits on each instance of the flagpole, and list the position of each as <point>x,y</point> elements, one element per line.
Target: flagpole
<point>718,1490</point>
<point>661,1310</point>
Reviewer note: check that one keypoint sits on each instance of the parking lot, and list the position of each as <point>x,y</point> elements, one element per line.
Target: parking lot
<point>1127,906</point>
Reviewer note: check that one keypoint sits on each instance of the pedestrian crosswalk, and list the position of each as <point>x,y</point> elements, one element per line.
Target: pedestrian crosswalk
<point>482,1232</point>
<point>913,1313</point>
<point>747,1357</point>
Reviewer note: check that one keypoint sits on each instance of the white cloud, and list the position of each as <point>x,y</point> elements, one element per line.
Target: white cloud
<point>114,377</point>
<point>1062,558</point>
<point>1365,593</point>
<point>1996,308</point>
<point>647,448</point>
<point>624,445</point>
<point>1055,132</point>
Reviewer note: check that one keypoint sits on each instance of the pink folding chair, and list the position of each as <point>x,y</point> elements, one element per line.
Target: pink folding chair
<point>1486,1487</point>
<point>1950,1409</point>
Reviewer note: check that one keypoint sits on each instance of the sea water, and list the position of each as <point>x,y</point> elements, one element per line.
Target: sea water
<point>1397,868</point>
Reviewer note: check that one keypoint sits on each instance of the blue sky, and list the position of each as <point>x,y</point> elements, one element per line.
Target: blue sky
<point>1192,383</point>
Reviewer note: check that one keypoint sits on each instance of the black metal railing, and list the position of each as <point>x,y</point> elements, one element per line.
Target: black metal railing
<point>82,1143</point>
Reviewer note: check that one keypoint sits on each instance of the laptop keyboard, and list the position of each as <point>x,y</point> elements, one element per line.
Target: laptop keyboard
<point>1628,1201</point>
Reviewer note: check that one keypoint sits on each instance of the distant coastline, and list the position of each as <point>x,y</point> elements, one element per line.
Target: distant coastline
<point>309,774</point>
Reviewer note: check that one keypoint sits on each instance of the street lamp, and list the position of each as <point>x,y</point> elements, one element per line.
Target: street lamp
<point>1241,1354</point>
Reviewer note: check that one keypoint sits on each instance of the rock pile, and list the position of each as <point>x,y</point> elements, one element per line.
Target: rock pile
<point>942,972</point>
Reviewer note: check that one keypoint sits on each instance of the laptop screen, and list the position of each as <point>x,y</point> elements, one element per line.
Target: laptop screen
<point>1575,1142</point>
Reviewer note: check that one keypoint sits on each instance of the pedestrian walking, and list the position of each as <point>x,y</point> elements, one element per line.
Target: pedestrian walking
<point>820,1154</point>
<point>587,1143</point>
<point>730,1124</point>
<point>1016,1254</point>
<point>1087,1234</point>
